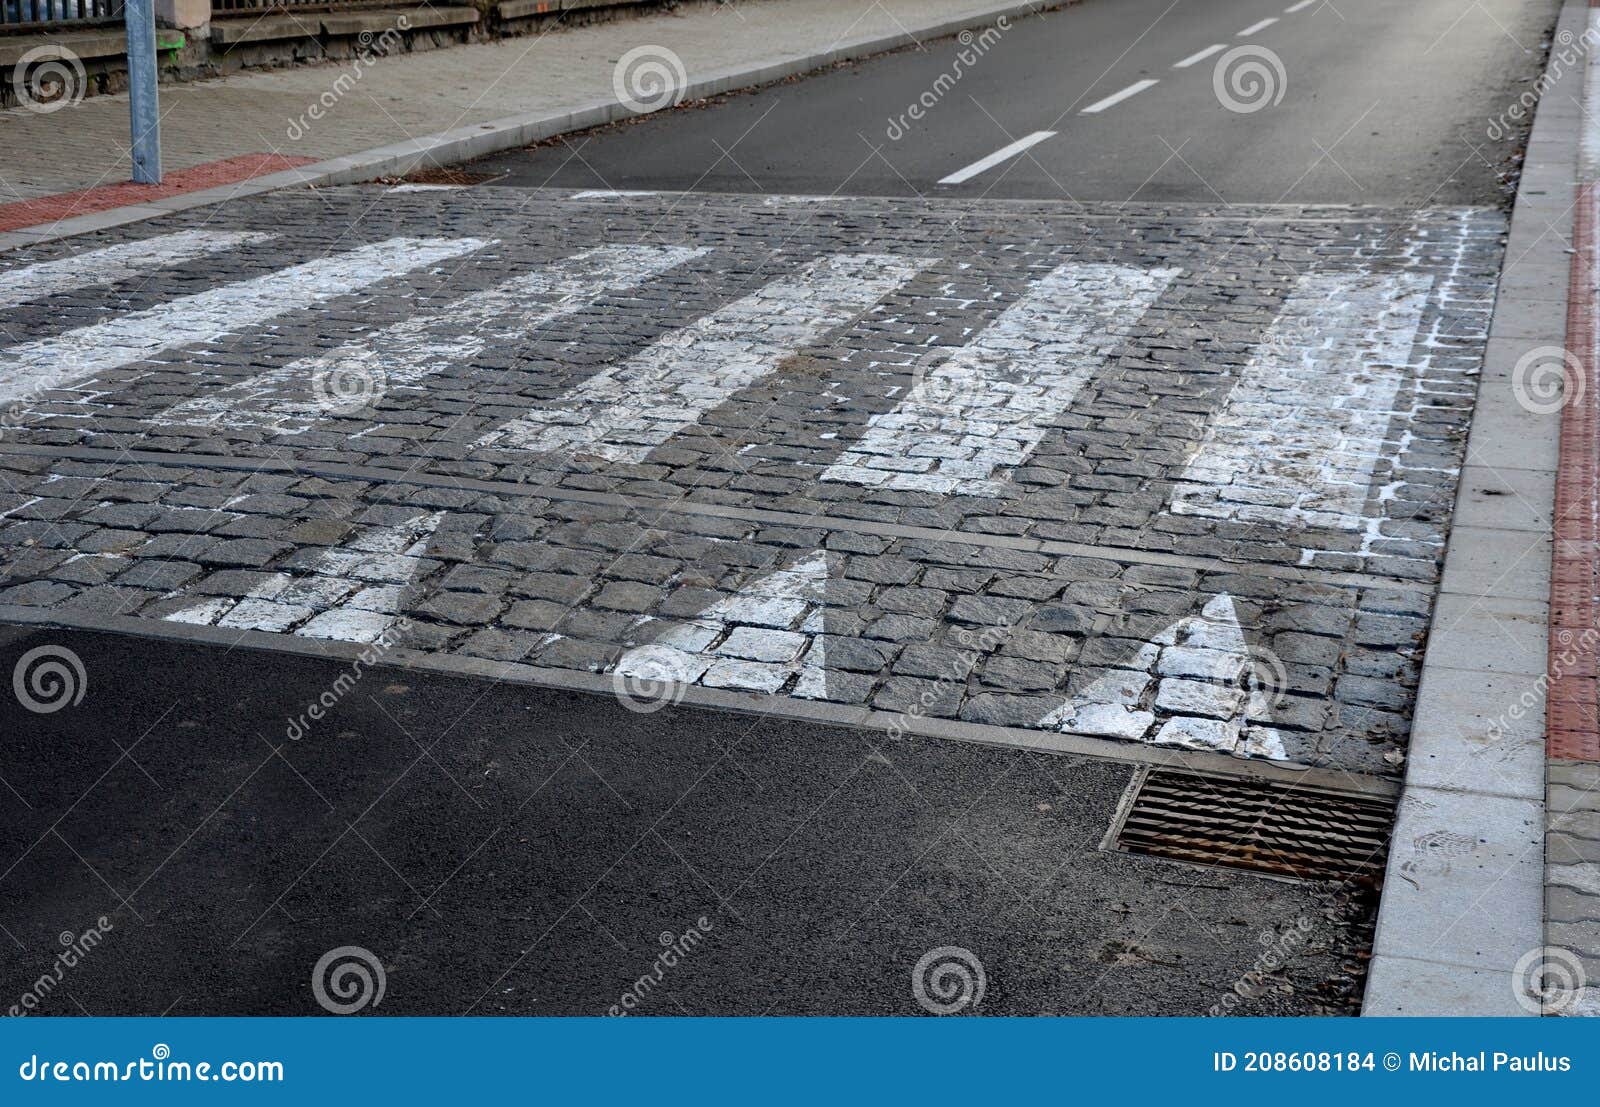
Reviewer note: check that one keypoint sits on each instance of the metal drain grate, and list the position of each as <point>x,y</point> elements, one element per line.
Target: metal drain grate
<point>1283,829</point>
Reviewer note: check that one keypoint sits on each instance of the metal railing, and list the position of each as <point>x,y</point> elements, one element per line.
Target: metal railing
<point>28,15</point>
<point>256,7</point>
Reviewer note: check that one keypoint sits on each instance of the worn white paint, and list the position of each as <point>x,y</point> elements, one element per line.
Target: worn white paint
<point>351,593</point>
<point>79,354</point>
<point>1194,677</point>
<point>1303,428</point>
<point>610,193</point>
<point>624,411</point>
<point>284,399</point>
<point>1005,153</point>
<point>110,264</point>
<point>987,406</point>
<point>1255,28</point>
<point>753,641</point>
<point>1118,97</point>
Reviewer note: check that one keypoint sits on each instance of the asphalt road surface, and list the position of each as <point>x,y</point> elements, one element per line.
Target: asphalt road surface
<point>1040,473</point>
<point>1360,101</point>
<point>504,850</point>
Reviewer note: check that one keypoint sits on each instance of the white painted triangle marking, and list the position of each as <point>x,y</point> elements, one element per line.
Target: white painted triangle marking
<point>110,264</point>
<point>1198,675</point>
<point>626,410</point>
<point>754,640</point>
<point>987,407</point>
<point>285,399</point>
<point>1300,434</point>
<point>350,593</point>
<point>79,354</point>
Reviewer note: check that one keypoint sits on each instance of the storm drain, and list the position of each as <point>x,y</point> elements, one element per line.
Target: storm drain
<point>1282,829</point>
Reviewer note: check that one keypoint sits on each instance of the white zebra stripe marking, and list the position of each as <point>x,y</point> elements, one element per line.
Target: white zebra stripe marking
<point>753,641</point>
<point>80,354</point>
<point>114,263</point>
<point>1304,426</point>
<point>401,355</point>
<point>627,410</point>
<point>987,407</point>
<point>352,593</point>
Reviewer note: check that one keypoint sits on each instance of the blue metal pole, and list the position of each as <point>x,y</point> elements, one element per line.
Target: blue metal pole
<point>140,19</point>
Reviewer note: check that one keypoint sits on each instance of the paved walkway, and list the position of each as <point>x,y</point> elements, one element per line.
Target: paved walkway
<point>404,97</point>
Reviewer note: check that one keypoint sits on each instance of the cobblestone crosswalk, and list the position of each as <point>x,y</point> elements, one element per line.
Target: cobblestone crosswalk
<point>1176,476</point>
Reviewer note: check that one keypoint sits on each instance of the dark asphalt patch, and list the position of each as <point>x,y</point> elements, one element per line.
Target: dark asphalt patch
<point>503,849</point>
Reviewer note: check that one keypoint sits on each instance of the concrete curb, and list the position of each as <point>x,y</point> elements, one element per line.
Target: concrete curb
<point>466,143</point>
<point>1463,899</point>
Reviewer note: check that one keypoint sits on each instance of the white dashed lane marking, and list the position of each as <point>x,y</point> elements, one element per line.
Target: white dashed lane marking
<point>285,399</point>
<point>625,411</point>
<point>1118,97</point>
<point>1005,153</point>
<point>1254,27</point>
<point>79,354</point>
<point>1303,428</point>
<point>1301,6</point>
<point>987,406</point>
<point>1201,56</point>
<point>114,263</point>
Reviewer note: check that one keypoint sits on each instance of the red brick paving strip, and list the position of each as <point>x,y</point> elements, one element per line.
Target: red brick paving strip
<point>1572,724</point>
<point>64,205</point>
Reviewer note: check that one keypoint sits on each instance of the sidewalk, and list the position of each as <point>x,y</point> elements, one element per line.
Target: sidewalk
<point>392,100</point>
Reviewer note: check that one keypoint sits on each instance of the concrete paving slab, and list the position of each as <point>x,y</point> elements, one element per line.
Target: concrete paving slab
<point>1462,890</point>
<point>1496,563</point>
<point>1506,499</point>
<point>1491,633</point>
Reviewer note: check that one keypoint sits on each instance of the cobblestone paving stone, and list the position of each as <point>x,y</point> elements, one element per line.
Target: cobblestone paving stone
<point>1572,876</point>
<point>1071,566</point>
